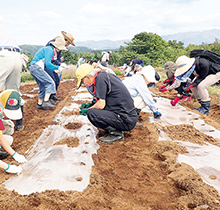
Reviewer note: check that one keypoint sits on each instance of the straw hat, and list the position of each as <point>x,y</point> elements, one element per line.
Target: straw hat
<point>183,63</point>
<point>59,43</point>
<point>69,37</point>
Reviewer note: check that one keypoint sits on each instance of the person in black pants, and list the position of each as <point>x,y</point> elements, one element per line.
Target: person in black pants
<point>113,110</point>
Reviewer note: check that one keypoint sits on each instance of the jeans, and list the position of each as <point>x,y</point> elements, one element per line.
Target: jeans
<point>44,81</point>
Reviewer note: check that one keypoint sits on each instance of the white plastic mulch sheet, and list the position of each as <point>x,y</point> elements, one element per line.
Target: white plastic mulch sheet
<point>203,158</point>
<point>60,167</point>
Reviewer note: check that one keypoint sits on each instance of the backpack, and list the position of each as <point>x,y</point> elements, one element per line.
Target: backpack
<point>209,55</point>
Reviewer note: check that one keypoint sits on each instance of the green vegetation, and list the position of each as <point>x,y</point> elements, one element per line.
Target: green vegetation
<point>26,76</point>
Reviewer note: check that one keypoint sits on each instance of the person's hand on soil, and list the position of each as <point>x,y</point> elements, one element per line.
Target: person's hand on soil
<point>163,90</point>
<point>83,111</point>
<point>13,169</point>
<point>175,101</point>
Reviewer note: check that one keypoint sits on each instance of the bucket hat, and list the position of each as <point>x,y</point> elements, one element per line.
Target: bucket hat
<point>59,43</point>
<point>81,72</point>
<point>169,66</point>
<point>69,37</point>
<point>183,63</point>
<point>11,101</point>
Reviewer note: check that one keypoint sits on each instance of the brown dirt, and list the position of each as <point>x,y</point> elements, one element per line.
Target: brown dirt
<point>138,173</point>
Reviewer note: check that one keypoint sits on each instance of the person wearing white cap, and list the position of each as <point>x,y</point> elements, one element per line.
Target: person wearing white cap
<point>45,83</point>
<point>9,104</point>
<point>137,87</point>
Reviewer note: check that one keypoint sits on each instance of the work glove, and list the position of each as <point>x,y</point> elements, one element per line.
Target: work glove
<point>83,111</point>
<point>64,65</point>
<point>188,88</point>
<point>163,90</point>
<point>19,158</point>
<point>163,86</point>
<point>13,169</point>
<point>175,101</point>
<point>85,105</point>
<point>60,70</point>
<point>166,81</point>
<point>157,115</point>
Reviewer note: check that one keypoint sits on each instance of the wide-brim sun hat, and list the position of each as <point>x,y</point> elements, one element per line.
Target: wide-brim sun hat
<point>68,37</point>
<point>11,101</point>
<point>59,43</point>
<point>81,72</point>
<point>183,63</point>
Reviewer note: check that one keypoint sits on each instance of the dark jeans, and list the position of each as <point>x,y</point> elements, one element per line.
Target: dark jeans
<point>54,76</point>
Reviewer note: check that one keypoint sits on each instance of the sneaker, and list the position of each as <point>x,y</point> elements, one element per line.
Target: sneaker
<point>55,98</point>
<point>52,102</point>
<point>185,98</point>
<point>39,106</point>
<point>19,127</point>
<point>47,104</point>
<point>3,155</point>
<point>112,137</point>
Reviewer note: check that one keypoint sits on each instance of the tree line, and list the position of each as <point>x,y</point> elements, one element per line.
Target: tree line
<point>149,47</point>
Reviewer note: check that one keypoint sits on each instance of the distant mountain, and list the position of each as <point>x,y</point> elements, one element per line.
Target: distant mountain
<point>103,44</point>
<point>195,37</point>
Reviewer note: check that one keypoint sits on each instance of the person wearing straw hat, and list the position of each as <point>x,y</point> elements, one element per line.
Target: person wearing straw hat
<point>57,60</point>
<point>45,83</point>
<point>114,110</point>
<point>202,73</point>
<point>10,106</point>
<point>170,69</point>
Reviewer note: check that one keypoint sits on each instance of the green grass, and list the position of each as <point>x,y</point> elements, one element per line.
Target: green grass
<point>25,77</point>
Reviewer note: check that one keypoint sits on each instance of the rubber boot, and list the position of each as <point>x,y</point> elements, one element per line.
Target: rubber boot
<point>53,97</point>
<point>19,123</point>
<point>114,135</point>
<point>204,108</point>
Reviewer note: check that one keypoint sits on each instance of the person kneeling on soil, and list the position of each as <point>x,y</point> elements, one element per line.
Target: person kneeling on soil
<point>170,69</point>
<point>12,107</point>
<point>45,83</point>
<point>139,91</point>
<point>114,110</point>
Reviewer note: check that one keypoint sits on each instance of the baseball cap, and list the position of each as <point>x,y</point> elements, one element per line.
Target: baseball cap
<point>81,72</point>
<point>11,101</point>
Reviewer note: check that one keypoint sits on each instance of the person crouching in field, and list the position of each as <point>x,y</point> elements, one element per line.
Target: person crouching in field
<point>114,110</point>
<point>10,105</point>
<point>45,83</point>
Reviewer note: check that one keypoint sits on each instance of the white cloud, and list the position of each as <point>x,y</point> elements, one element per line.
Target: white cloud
<point>49,14</point>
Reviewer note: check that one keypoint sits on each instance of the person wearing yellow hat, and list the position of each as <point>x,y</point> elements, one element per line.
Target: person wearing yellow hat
<point>57,60</point>
<point>45,83</point>
<point>9,104</point>
<point>114,110</point>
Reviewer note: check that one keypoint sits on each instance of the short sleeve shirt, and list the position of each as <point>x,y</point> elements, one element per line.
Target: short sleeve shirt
<point>110,88</point>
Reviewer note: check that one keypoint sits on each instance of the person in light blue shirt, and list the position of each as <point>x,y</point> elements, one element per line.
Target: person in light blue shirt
<point>45,83</point>
<point>140,93</point>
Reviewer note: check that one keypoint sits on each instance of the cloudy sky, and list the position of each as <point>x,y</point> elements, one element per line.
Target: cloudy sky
<point>36,22</point>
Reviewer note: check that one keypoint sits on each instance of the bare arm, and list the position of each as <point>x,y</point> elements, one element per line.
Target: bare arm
<point>6,145</point>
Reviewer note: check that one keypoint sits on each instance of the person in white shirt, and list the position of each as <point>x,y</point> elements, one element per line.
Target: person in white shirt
<point>11,63</point>
<point>81,61</point>
<point>105,58</point>
<point>140,93</point>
